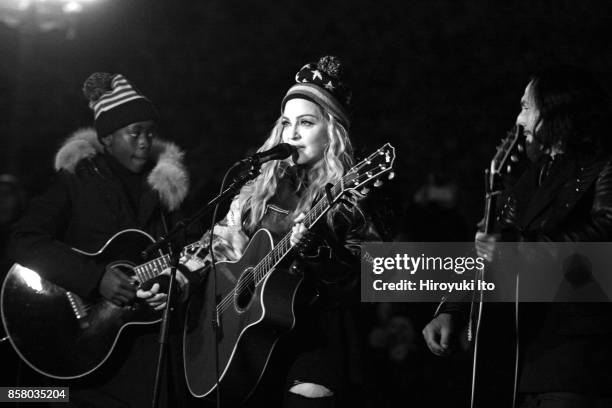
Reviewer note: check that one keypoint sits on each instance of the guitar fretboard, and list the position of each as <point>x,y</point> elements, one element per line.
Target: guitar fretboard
<point>267,264</point>
<point>155,267</point>
<point>379,162</point>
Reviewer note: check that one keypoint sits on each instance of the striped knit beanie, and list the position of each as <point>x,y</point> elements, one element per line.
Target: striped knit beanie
<point>115,103</point>
<point>323,83</point>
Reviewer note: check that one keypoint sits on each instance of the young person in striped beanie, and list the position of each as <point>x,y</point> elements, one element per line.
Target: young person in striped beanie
<point>120,113</point>
<point>323,365</point>
<point>118,175</point>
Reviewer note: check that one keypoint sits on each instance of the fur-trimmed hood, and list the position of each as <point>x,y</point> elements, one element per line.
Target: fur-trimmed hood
<point>169,176</point>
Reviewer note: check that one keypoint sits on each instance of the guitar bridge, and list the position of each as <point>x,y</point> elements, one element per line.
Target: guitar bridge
<point>78,308</point>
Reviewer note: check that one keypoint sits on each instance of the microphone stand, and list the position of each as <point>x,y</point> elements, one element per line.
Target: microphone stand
<point>237,183</point>
<point>170,240</point>
<point>175,255</point>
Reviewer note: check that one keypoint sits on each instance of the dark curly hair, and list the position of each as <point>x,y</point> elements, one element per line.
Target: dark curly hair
<point>574,110</point>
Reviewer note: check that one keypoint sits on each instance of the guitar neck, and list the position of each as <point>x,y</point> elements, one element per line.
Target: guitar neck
<point>280,250</point>
<point>493,175</point>
<point>489,218</point>
<point>370,169</point>
<point>155,267</point>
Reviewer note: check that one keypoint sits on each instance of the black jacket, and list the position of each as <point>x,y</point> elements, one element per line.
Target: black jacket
<point>86,205</point>
<point>92,198</point>
<point>565,345</point>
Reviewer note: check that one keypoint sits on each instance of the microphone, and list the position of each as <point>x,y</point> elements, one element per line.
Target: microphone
<point>278,152</point>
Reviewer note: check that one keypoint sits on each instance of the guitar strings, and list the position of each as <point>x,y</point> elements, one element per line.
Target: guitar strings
<point>265,266</point>
<point>153,268</point>
<point>253,275</point>
<point>224,304</point>
<point>258,273</point>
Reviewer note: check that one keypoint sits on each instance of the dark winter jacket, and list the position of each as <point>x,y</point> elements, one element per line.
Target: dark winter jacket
<point>93,198</point>
<point>87,204</point>
<point>565,345</point>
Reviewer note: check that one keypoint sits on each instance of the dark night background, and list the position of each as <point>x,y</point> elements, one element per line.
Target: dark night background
<point>441,80</point>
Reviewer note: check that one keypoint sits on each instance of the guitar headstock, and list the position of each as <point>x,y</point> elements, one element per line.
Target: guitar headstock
<point>505,150</point>
<point>371,169</point>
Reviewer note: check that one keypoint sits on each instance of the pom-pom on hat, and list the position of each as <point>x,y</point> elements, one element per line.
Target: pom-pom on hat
<point>323,83</point>
<point>115,102</point>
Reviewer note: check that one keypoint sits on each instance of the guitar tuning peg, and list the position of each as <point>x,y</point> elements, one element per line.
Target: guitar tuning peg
<point>365,191</point>
<point>520,148</point>
<point>509,169</point>
<point>391,175</point>
<point>378,183</point>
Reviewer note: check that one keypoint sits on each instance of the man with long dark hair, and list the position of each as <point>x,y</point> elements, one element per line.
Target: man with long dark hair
<point>564,196</point>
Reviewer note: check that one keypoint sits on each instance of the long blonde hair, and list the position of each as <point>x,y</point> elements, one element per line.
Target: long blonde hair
<point>337,159</point>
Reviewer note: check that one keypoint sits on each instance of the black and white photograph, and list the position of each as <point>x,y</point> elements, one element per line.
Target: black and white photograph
<point>305,204</point>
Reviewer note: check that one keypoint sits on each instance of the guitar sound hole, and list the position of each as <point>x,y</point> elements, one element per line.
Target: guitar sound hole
<point>245,289</point>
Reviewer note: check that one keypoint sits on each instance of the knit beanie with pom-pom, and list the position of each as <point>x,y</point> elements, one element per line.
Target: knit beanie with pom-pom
<point>116,103</point>
<point>323,83</point>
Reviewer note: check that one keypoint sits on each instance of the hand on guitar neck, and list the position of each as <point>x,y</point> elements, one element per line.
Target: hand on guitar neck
<point>304,240</point>
<point>120,289</point>
<point>486,244</point>
<point>158,300</point>
<point>312,249</point>
<point>509,151</point>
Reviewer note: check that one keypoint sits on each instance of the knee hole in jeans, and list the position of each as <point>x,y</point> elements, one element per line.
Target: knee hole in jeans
<point>311,390</point>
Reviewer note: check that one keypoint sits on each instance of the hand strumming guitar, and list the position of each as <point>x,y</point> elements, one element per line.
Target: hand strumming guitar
<point>117,287</point>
